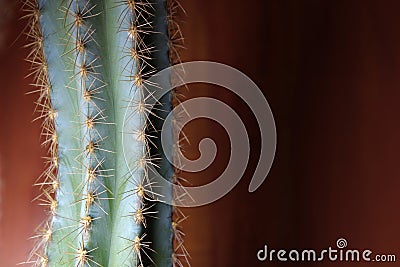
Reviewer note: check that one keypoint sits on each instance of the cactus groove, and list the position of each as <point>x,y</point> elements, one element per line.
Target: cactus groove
<point>90,62</point>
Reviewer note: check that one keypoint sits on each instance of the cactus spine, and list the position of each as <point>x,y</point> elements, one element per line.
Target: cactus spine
<point>90,60</point>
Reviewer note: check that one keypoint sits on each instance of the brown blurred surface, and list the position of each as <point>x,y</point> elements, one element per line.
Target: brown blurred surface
<point>330,71</point>
<point>20,151</point>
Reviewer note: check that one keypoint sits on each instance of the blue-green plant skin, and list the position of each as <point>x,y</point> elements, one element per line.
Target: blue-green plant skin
<point>102,184</point>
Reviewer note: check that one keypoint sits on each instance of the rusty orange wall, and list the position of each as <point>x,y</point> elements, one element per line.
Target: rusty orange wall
<point>331,72</point>
<point>20,151</point>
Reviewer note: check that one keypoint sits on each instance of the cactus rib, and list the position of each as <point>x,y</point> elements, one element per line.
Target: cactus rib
<point>90,59</point>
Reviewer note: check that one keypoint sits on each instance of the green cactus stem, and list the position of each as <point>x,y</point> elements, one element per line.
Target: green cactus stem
<point>91,60</point>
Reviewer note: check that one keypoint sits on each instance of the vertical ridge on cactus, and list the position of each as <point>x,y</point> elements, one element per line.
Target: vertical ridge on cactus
<point>91,60</point>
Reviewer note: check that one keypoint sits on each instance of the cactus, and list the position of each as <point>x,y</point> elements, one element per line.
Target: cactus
<point>90,61</point>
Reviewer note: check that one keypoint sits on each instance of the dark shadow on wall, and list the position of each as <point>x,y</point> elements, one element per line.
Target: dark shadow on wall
<point>329,70</point>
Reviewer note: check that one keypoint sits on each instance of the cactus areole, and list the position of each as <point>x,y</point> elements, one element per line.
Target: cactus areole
<point>90,61</point>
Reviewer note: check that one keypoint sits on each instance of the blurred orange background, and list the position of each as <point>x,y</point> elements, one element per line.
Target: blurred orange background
<point>331,73</point>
